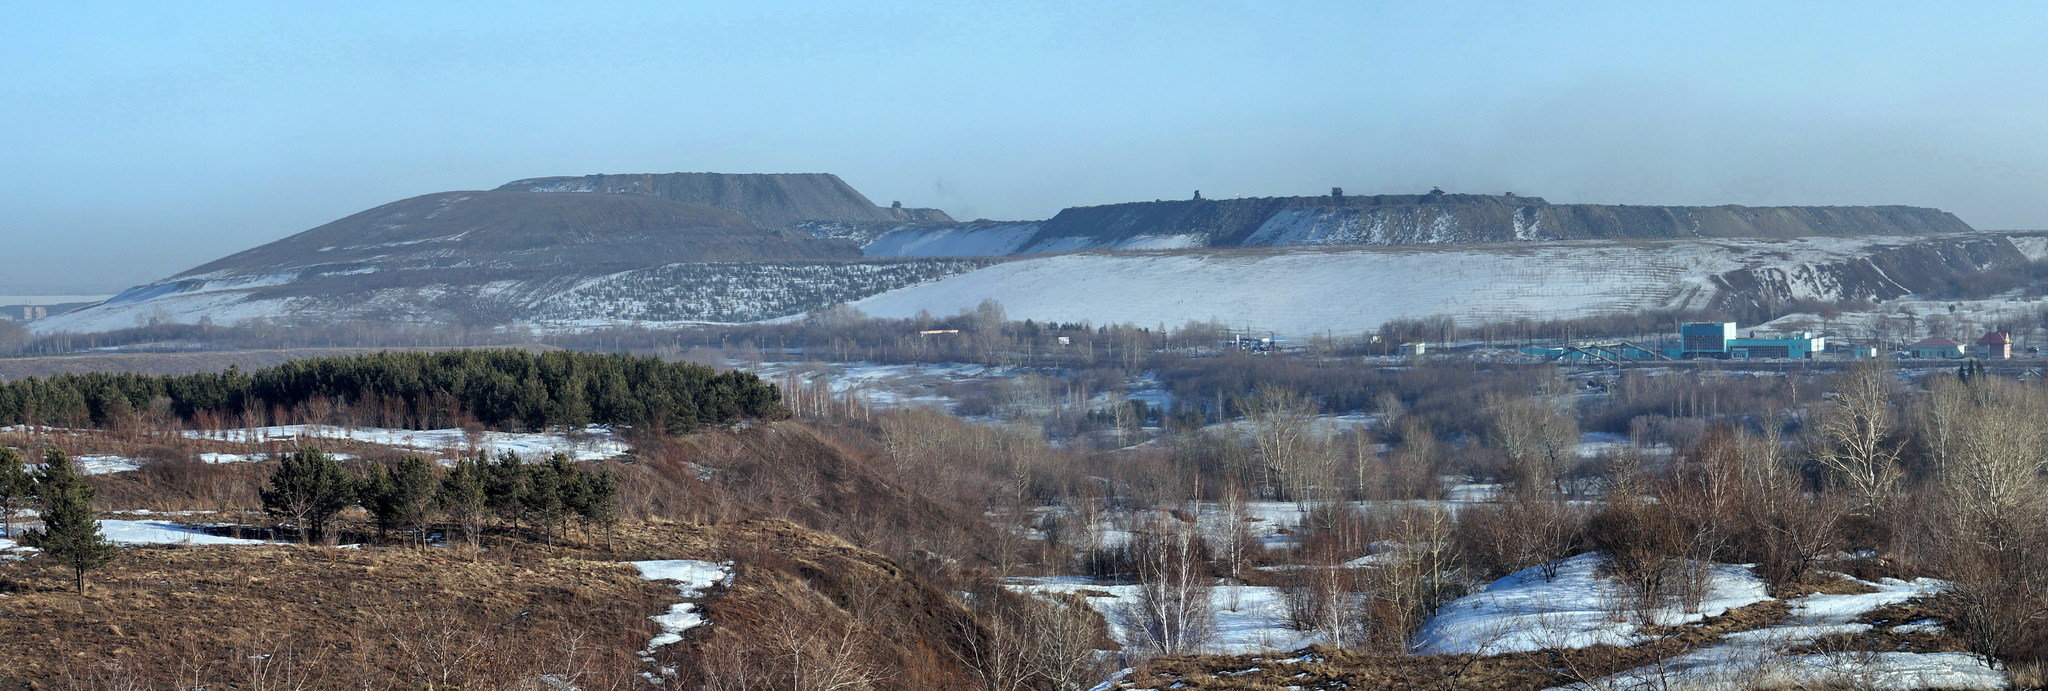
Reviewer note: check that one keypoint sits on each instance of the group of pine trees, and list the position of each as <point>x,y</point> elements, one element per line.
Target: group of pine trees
<point>414,498</point>
<point>69,535</point>
<point>501,389</point>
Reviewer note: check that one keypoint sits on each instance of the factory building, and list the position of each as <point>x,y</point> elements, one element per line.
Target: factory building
<point>1718,340</point>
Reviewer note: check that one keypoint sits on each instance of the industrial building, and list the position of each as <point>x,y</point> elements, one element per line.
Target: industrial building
<point>1717,340</point>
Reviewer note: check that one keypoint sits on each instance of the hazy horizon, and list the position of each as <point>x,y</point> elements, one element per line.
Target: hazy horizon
<point>146,139</point>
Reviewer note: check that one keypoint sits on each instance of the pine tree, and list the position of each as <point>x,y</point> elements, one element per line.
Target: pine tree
<point>461,498</point>
<point>543,500</point>
<point>69,533</point>
<point>372,491</point>
<point>505,488</point>
<point>309,489</point>
<point>406,499</point>
<point>16,486</point>
<point>600,501</point>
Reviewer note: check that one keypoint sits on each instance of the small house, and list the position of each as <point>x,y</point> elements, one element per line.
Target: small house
<point>1937,349</point>
<point>1413,349</point>
<point>1996,345</point>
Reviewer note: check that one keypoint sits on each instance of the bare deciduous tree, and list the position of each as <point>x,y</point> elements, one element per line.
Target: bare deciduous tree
<point>1853,436</point>
<point>1173,612</point>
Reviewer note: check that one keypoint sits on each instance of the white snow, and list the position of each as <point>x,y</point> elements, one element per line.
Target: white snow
<point>692,578</point>
<point>164,533</point>
<point>1753,659</point>
<point>1355,289</point>
<point>1258,624</point>
<point>1524,612</point>
<point>102,465</point>
<point>592,443</point>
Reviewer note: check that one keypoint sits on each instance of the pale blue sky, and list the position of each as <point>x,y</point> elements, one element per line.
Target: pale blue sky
<point>142,139</point>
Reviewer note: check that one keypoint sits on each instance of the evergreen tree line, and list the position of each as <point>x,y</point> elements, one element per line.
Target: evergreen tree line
<point>501,389</point>
<point>414,497</point>
<point>69,534</point>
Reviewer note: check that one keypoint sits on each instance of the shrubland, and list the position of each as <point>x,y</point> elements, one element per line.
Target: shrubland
<point>880,548</point>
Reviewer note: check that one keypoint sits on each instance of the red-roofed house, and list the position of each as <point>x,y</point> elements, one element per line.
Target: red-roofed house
<point>1937,349</point>
<point>1996,345</point>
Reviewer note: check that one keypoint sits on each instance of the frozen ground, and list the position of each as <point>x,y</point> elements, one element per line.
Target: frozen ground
<point>164,533</point>
<point>1257,624</point>
<point>592,443</point>
<point>1311,291</point>
<point>1760,658</point>
<point>140,532</point>
<point>102,465</point>
<point>692,579</point>
<point>1526,611</point>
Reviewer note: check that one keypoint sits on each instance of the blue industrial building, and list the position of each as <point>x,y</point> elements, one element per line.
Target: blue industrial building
<point>1717,340</point>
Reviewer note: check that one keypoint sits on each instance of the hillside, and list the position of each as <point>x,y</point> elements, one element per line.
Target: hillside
<point>1392,220</point>
<point>1299,290</point>
<point>590,252</point>
<point>771,200</point>
<point>500,230</point>
<point>1353,290</point>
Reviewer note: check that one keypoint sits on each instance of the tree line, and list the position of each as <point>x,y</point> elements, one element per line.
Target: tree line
<point>496,388</point>
<point>412,497</point>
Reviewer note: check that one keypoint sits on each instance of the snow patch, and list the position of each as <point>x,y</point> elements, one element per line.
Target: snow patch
<point>692,578</point>
<point>1524,611</point>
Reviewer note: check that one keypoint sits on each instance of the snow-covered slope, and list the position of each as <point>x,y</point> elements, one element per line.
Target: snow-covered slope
<point>1342,291</point>
<point>1294,290</point>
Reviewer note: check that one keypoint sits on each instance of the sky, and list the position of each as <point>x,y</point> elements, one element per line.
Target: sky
<point>141,139</point>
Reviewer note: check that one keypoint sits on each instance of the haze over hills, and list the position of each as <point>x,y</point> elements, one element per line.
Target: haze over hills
<point>585,252</point>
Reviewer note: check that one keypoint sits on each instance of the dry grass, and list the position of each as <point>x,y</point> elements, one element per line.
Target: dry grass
<point>288,617</point>
<point>1819,583</point>
<point>328,618</point>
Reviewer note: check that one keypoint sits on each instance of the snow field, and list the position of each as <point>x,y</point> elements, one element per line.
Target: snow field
<point>164,533</point>
<point>1354,290</point>
<point>1752,659</point>
<point>134,532</point>
<point>1524,611</point>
